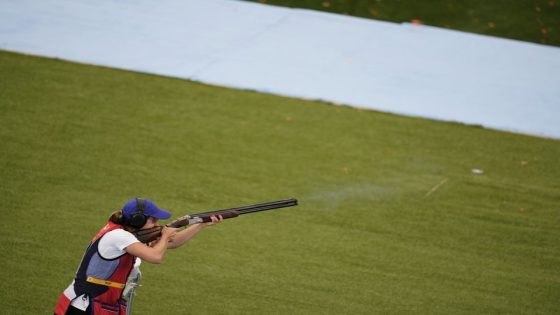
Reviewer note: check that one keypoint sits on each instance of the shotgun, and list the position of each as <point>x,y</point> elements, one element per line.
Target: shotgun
<point>151,234</point>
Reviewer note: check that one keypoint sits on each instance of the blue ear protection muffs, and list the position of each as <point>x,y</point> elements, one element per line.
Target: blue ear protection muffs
<point>138,219</point>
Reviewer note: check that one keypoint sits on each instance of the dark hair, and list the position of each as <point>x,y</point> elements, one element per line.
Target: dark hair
<point>118,218</point>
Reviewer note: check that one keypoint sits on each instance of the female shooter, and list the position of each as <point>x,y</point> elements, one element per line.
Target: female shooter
<point>114,256</point>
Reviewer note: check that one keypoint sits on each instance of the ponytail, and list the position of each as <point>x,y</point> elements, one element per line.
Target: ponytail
<point>118,218</point>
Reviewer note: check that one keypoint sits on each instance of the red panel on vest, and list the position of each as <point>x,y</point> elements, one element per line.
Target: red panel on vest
<point>62,305</point>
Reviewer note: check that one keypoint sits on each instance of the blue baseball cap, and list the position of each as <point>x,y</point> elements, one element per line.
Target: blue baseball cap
<point>150,209</point>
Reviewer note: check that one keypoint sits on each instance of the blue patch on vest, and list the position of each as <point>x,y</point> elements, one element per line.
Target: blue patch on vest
<point>100,268</point>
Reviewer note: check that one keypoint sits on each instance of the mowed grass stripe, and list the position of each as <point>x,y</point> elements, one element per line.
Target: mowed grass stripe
<point>368,236</point>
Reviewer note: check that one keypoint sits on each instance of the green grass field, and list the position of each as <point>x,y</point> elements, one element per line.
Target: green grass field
<point>391,218</point>
<point>535,21</point>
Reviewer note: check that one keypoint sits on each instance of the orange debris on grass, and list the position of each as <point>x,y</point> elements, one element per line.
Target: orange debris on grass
<point>373,12</point>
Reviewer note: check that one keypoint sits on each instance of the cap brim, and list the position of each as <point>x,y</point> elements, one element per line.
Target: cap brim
<point>161,214</point>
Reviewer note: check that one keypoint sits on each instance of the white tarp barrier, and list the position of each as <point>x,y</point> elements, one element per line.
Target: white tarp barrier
<point>400,68</point>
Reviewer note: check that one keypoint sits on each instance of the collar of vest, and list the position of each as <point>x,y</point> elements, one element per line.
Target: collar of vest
<point>110,226</point>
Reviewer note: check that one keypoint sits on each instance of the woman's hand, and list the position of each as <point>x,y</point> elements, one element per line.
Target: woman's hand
<point>168,233</point>
<point>155,251</point>
<point>215,219</point>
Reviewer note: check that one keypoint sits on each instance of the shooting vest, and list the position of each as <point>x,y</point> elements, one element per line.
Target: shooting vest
<point>101,280</point>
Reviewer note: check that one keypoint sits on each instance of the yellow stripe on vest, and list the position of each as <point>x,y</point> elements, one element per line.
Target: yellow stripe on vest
<point>105,282</point>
